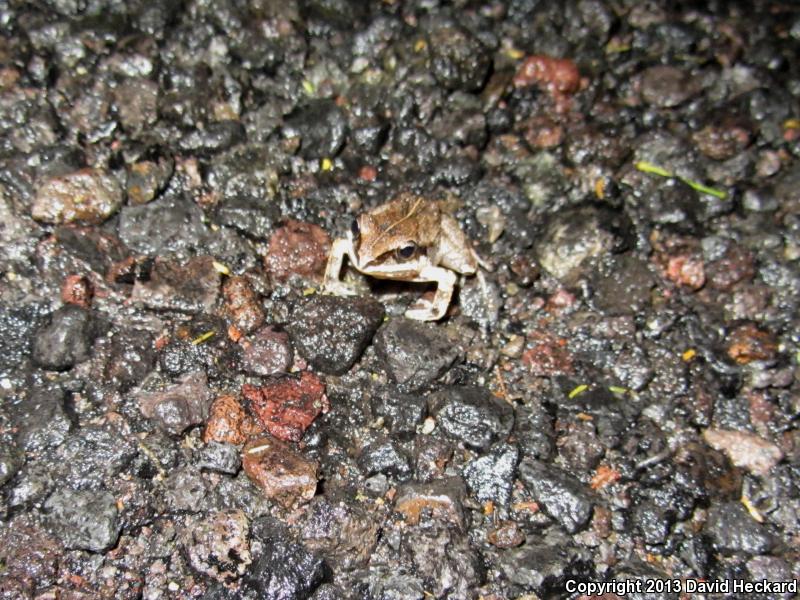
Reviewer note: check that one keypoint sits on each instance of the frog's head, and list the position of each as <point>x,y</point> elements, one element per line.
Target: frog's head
<point>377,240</point>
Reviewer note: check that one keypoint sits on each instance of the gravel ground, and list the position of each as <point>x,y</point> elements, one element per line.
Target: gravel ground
<point>184,415</point>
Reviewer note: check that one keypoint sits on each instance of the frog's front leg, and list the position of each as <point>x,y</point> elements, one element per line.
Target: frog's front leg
<point>433,310</point>
<point>331,284</point>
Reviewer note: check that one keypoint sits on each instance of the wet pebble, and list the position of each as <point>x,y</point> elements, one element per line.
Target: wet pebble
<point>458,59</point>
<point>192,286</point>
<point>746,450</point>
<point>282,474</point>
<point>573,236</point>
<point>445,560</point>
<point>331,332</point>
<point>217,545</point>
<point>285,570</point>
<point>542,567</point>
<point>267,352</point>
<point>384,456</point>
<point>415,353</point>
<point>507,534</point>
<point>341,529</point>
<point>297,248</point>
<point>242,306</point>
<point>748,343</point>
<point>179,406</point>
<point>93,455</point>
<point>472,415</point>
<point>213,138</point>
<point>666,86</point>
<point>491,477</point>
<point>164,226</point>
<point>84,520</point>
<point>11,461</point>
<point>441,499</point>
<point>321,127</point>
<point>218,457</point>
<point>40,419</point>
<point>402,413</point>
<point>732,529</point>
<point>227,422</point>
<point>147,178</point>
<point>66,340</point>
<point>286,407</point>
<point>185,489</point>
<point>88,196</point>
<point>560,494</point>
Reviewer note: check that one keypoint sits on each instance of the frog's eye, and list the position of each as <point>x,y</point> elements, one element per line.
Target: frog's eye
<point>408,251</point>
<point>354,229</point>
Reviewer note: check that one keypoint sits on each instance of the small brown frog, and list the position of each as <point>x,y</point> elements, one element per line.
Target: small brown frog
<point>407,239</point>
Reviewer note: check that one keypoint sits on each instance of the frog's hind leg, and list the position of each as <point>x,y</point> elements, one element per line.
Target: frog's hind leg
<point>433,310</point>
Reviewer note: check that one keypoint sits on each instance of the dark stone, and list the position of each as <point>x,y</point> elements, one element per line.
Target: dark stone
<point>342,530</point>
<point>491,477</point>
<point>402,413</point>
<point>384,456</point>
<point>653,521</point>
<point>285,571</point>
<point>83,520</point>
<point>193,286</point>
<point>562,497</point>
<point>445,561</point>
<point>186,490</point>
<point>66,340</point>
<point>131,357</point>
<point>415,354</point>
<point>17,327</point>
<point>168,225</point>
<point>458,59</point>
<point>215,137</point>
<point>534,431</point>
<point>732,530</point>
<point>40,419</point>
<point>544,566</point>
<point>251,216</point>
<point>472,415</point>
<point>178,407</point>
<point>94,454</point>
<point>11,461</point>
<point>321,127</point>
<point>331,332</point>
<point>219,458</point>
<point>621,285</point>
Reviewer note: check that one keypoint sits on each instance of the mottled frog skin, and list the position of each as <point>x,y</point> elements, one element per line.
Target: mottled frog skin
<point>409,238</point>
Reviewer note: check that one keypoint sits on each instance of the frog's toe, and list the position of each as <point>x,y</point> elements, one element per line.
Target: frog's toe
<point>339,288</point>
<point>423,311</point>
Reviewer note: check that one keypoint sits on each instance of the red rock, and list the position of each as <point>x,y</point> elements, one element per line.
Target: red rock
<point>506,535</point>
<point>687,270</point>
<point>241,304</point>
<point>228,422</point>
<point>77,290</point>
<point>748,343</point>
<point>557,74</point>
<point>368,173</point>
<point>288,406</point>
<point>297,248</point>
<point>284,475</point>
<point>548,357</point>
